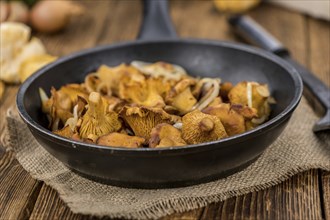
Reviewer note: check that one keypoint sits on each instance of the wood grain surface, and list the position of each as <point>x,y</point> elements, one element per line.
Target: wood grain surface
<point>304,196</point>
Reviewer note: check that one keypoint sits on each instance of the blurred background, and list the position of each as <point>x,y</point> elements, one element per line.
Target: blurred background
<point>36,32</point>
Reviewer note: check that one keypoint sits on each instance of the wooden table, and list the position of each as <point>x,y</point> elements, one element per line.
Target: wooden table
<point>304,196</point>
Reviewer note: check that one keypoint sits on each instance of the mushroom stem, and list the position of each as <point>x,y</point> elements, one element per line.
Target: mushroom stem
<point>95,101</point>
<point>94,97</point>
<point>206,124</point>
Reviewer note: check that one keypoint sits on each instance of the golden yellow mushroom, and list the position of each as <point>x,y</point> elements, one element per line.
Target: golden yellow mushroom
<point>98,120</point>
<point>143,119</point>
<point>233,122</point>
<point>181,97</point>
<point>165,135</point>
<point>120,140</point>
<point>32,64</point>
<point>198,127</point>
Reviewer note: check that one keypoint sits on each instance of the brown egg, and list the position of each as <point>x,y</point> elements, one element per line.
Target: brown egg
<point>4,11</point>
<point>52,16</point>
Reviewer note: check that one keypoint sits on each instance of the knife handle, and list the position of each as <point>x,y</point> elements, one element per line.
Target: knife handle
<point>257,35</point>
<point>254,33</point>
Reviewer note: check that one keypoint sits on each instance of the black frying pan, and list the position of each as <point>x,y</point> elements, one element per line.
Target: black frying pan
<point>168,167</point>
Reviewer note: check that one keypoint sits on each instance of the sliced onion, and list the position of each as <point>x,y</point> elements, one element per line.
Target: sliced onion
<point>249,94</point>
<point>43,95</point>
<point>210,95</point>
<point>155,70</point>
<point>271,100</point>
<point>55,125</point>
<point>260,120</point>
<point>72,122</point>
<point>178,125</point>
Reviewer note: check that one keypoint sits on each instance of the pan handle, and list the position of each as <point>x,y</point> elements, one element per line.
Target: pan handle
<point>156,22</point>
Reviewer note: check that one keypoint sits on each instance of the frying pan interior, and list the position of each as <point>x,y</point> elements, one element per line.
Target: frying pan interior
<point>166,167</point>
<point>200,58</point>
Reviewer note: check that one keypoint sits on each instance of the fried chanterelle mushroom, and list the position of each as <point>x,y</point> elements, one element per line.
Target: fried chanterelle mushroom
<point>143,119</point>
<point>253,95</point>
<point>120,140</point>
<point>181,97</point>
<point>98,120</point>
<point>153,105</point>
<point>198,127</point>
<point>232,117</point>
<point>165,135</point>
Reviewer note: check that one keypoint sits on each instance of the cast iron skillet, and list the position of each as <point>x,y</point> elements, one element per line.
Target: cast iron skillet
<point>168,167</point>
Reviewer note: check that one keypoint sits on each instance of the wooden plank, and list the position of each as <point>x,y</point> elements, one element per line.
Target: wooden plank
<point>288,27</point>
<point>296,198</point>
<point>319,35</point>
<point>6,103</point>
<point>122,23</point>
<point>190,215</point>
<point>50,206</point>
<point>199,19</point>
<point>319,52</point>
<point>325,193</point>
<point>82,32</point>
<point>18,191</point>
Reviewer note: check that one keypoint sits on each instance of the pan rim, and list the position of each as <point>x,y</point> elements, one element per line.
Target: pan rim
<point>270,124</point>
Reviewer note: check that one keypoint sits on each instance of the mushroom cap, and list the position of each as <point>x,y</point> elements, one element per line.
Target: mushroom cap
<point>225,89</point>
<point>110,77</point>
<point>165,135</point>
<point>93,83</point>
<point>198,127</point>
<point>60,108</point>
<point>160,69</point>
<point>115,104</point>
<point>147,92</point>
<point>181,97</point>
<point>65,132</point>
<point>132,86</point>
<point>245,111</point>
<point>33,63</point>
<point>120,140</point>
<point>254,95</point>
<point>73,91</point>
<point>216,101</point>
<point>143,119</point>
<point>98,120</point>
<point>233,122</point>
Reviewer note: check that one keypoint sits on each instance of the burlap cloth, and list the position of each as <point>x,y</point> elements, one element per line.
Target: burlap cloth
<point>297,150</point>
